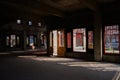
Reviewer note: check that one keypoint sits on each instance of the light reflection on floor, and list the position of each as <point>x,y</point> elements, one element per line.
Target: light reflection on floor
<point>30,56</point>
<point>56,59</point>
<point>99,66</point>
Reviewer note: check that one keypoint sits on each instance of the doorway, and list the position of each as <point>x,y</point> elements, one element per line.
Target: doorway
<point>55,50</point>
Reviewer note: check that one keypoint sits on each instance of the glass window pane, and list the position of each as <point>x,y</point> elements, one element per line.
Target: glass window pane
<point>79,40</point>
<point>12,41</point>
<point>61,38</point>
<point>7,40</point>
<point>69,40</point>
<point>29,23</point>
<point>111,39</point>
<point>50,39</point>
<point>31,40</point>
<point>18,40</point>
<point>35,40</point>
<point>27,40</point>
<point>90,39</point>
<point>18,21</point>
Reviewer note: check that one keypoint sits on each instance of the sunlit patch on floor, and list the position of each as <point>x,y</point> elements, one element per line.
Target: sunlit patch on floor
<point>4,53</point>
<point>98,66</point>
<point>52,59</point>
<point>94,66</point>
<point>116,76</point>
<point>27,56</point>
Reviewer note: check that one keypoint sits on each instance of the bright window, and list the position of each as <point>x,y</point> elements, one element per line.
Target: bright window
<point>18,40</point>
<point>12,41</point>
<point>79,40</point>
<point>69,40</point>
<point>61,38</point>
<point>50,39</point>
<point>18,21</point>
<point>111,39</point>
<point>90,39</point>
<point>31,40</point>
<point>7,40</point>
<point>39,24</point>
<point>30,23</point>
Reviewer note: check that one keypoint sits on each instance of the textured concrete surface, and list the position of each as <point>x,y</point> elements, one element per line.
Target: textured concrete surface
<point>53,68</point>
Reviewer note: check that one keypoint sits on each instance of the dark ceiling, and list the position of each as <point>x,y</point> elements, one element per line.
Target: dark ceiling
<point>35,9</point>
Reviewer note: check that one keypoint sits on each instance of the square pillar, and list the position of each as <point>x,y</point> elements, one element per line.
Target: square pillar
<point>97,37</point>
<point>38,39</point>
<point>24,39</point>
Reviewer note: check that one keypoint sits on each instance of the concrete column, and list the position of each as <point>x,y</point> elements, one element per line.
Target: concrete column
<point>38,38</point>
<point>97,36</point>
<point>24,39</point>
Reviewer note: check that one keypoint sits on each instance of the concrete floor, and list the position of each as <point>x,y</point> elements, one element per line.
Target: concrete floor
<point>54,68</point>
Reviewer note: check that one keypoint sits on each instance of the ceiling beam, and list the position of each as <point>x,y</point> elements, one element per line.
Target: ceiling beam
<point>91,4</point>
<point>28,9</point>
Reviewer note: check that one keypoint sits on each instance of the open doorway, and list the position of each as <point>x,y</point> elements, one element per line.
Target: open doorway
<point>57,43</point>
<point>55,50</point>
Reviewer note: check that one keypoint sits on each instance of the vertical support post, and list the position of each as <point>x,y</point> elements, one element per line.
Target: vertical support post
<point>24,40</point>
<point>38,39</point>
<point>97,36</point>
